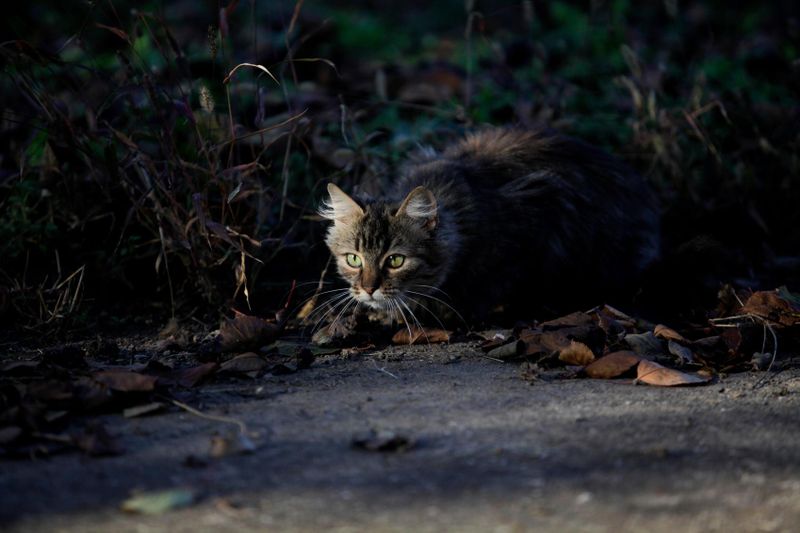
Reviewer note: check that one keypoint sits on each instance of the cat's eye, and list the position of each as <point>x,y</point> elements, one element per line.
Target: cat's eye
<point>395,261</point>
<point>353,260</point>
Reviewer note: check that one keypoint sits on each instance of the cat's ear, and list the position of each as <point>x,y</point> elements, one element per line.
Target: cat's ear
<point>339,206</point>
<point>420,204</point>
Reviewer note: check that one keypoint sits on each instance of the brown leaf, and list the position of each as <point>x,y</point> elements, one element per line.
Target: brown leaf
<point>576,353</point>
<point>654,374</point>
<point>244,363</point>
<point>245,332</point>
<point>419,336</point>
<point>123,381</point>
<point>771,306</point>
<point>664,332</point>
<point>612,365</point>
<point>544,343</point>
<point>189,377</point>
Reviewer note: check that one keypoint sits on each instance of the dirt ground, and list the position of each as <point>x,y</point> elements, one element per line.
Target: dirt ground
<point>491,452</point>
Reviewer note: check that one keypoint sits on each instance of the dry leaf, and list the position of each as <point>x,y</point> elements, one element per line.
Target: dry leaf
<point>419,336</point>
<point>680,351</point>
<point>189,377</point>
<point>771,306</point>
<point>645,344</point>
<point>655,374</point>
<point>664,332</point>
<point>244,363</point>
<point>576,353</point>
<point>245,332</point>
<point>612,365</point>
<point>123,381</point>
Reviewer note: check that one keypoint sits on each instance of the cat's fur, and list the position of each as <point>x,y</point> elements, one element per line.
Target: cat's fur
<point>504,217</point>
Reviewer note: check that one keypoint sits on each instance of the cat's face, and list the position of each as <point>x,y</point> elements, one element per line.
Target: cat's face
<point>386,254</point>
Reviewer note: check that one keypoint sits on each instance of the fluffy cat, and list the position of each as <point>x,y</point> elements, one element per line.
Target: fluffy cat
<point>535,221</point>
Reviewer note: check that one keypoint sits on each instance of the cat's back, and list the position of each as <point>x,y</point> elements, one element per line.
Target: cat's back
<point>543,209</point>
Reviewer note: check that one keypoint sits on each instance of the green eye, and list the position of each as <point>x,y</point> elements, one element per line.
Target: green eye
<point>353,260</point>
<point>396,261</point>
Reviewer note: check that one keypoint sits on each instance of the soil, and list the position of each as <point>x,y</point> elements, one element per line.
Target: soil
<point>489,451</point>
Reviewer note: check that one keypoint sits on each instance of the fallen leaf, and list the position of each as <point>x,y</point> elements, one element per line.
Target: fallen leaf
<point>419,336</point>
<point>159,502</point>
<point>576,353</point>
<point>552,341</point>
<point>124,381</point>
<point>145,409</point>
<point>645,344</point>
<point>510,350</point>
<point>191,376</point>
<point>245,332</point>
<point>383,441</point>
<point>655,374</point>
<point>771,306</point>
<point>664,332</point>
<point>244,363</point>
<point>680,351</point>
<point>185,377</point>
<point>612,365</point>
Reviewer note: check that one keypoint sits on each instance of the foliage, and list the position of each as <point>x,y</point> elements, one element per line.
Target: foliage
<point>126,155</point>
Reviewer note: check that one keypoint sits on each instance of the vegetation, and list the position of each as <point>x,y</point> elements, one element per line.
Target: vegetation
<point>142,174</point>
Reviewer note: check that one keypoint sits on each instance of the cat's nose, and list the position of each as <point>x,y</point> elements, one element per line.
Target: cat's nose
<point>369,290</point>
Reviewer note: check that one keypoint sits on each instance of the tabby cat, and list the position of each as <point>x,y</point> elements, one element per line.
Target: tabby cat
<point>531,221</point>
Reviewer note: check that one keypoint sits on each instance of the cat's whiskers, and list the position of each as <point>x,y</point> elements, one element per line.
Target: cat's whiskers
<point>327,303</point>
<point>340,300</point>
<point>316,295</point>
<point>431,287</point>
<point>345,308</point>
<point>408,326</point>
<point>417,302</point>
<point>416,320</point>
<point>443,303</point>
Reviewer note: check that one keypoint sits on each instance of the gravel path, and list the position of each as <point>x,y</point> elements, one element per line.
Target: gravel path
<point>491,452</point>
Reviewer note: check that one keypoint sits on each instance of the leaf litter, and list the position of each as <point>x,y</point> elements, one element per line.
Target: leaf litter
<point>41,397</point>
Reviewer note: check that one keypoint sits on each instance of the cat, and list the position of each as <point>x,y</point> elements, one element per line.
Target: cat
<point>532,221</point>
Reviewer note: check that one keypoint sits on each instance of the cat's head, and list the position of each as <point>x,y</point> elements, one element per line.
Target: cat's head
<point>384,251</point>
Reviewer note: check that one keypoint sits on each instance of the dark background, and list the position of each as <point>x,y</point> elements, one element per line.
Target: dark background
<point>124,200</point>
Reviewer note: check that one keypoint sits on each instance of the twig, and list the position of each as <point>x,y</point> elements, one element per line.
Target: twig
<point>216,418</point>
<point>383,369</point>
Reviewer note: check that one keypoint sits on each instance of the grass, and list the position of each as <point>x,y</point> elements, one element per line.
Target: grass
<point>127,158</point>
